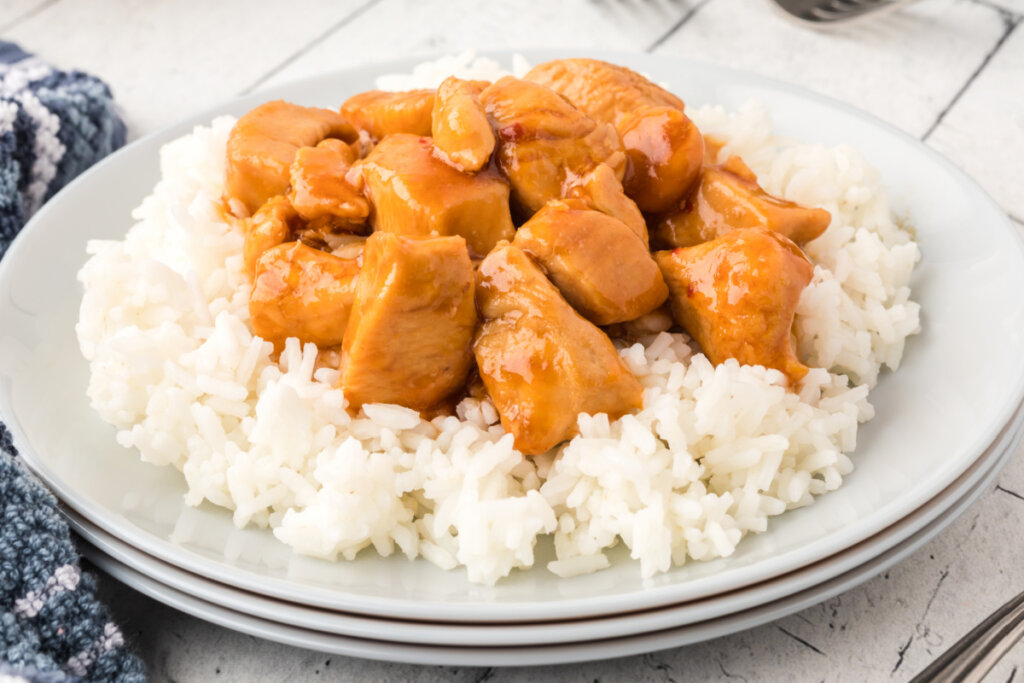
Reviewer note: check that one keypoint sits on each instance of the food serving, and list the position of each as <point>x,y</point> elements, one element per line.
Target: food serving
<point>476,309</point>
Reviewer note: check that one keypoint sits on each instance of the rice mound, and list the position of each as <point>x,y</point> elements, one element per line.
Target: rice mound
<point>164,324</point>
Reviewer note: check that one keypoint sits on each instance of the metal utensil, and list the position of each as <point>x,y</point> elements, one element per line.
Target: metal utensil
<point>822,13</point>
<point>976,653</point>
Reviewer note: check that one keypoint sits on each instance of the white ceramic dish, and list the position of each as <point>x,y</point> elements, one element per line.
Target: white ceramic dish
<point>937,513</point>
<point>961,380</point>
<point>548,653</point>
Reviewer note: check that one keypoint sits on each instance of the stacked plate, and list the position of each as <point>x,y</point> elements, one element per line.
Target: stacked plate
<point>945,425</point>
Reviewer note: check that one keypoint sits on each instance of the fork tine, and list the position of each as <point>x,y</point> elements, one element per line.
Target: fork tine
<point>842,9</point>
<point>830,12</point>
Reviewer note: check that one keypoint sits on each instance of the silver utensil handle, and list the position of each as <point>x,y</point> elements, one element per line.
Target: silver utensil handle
<point>977,652</point>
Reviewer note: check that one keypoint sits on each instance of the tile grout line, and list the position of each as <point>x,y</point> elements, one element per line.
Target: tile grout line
<point>310,45</point>
<point>676,26</point>
<point>1011,22</point>
<point>28,14</point>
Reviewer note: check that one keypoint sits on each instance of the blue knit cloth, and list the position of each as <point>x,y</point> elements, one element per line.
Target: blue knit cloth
<point>53,125</point>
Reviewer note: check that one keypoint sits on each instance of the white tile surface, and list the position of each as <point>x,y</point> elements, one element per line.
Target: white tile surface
<point>12,11</point>
<point>400,27</point>
<point>904,67</point>
<point>164,60</point>
<point>1014,6</point>
<point>984,131</point>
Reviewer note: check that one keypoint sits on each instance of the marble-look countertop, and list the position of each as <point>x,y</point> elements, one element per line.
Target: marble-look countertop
<point>949,72</point>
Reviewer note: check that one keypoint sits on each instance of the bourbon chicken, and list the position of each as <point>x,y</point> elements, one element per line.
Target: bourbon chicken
<point>262,146</point>
<point>663,147</point>
<point>495,240</point>
<point>320,190</point>
<point>541,362</point>
<point>459,124</point>
<point>415,193</point>
<point>596,261</point>
<point>408,338</point>
<point>728,197</point>
<point>545,143</point>
<point>378,114</point>
<point>302,292</point>
<point>736,296</point>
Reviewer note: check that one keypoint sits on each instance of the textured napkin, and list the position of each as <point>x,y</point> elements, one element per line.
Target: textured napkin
<point>53,125</point>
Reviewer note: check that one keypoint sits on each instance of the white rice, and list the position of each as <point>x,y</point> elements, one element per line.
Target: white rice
<point>714,452</point>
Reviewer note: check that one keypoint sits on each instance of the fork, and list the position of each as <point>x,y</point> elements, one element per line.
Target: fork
<point>821,13</point>
<point>971,657</point>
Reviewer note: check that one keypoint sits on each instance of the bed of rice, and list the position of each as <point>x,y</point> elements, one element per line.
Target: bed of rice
<point>715,452</point>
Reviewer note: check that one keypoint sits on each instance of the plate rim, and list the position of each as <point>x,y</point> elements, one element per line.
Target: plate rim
<point>556,653</point>
<point>940,511</point>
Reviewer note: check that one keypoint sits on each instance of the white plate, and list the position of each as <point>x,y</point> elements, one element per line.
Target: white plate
<point>952,501</point>
<point>629,643</point>
<point>961,380</point>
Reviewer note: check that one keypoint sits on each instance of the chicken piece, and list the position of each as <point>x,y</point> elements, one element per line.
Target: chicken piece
<point>665,152</point>
<point>544,143</point>
<point>604,92</point>
<point>302,292</point>
<point>598,264</point>
<point>603,192</point>
<point>728,197</point>
<point>274,223</point>
<point>736,166</point>
<point>736,296</point>
<point>379,113</point>
<point>416,194</point>
<point>409,339</point>
<point>460,126</point>
<point>541,362</point>
<point>320,192</point>
<point>663,145</point>
<point>263,143</point>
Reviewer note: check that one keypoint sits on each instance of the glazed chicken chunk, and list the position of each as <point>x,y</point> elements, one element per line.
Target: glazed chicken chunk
<point>604,92</point>
<point>320,192</point>
<point>604,270</point>
<point>416,194</point>
<point>410,335</point>
<point>378,113</point>
<point>603,192</point>
<point>736,296</point>
<point>274,223</point>
<point>460,126</point>
<point>665,152</point>
<point>302,292</point>
<point>728,197</point>
<point>544,144</point>
<point>263,143</point>
<point>541,362</point>
<point>664,148</point>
